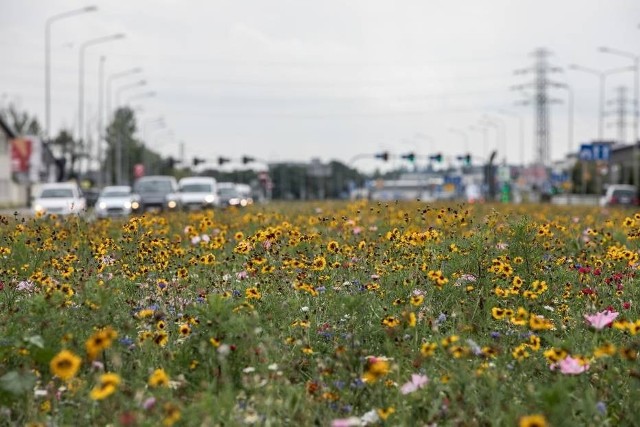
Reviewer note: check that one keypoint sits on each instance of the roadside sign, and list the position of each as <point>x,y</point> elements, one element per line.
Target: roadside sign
<point>586,152</point>
<point>595,151</point>
<point>601,151</point>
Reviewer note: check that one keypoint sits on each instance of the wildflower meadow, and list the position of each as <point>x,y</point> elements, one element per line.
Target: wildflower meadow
<point>328,314</point>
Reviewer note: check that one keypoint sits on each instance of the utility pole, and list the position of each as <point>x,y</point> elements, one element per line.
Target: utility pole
<point>541,100</point>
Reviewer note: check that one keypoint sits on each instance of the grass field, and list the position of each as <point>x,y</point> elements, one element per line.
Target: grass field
<point>324,314</point>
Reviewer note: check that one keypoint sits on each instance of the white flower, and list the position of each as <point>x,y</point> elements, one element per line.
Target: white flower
<point>370,417</point>
<point>304,309</point>
<point>249,370</point>
<point>273,367</point>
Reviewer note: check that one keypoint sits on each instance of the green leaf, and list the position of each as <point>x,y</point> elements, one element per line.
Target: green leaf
<point>16,383</point>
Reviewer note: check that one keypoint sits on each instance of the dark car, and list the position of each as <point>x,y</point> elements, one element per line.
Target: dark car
<point>158,193</point>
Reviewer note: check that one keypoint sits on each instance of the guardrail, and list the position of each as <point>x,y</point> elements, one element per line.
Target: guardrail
<point>576,199</point>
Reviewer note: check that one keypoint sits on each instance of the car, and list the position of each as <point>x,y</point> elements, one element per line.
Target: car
<point>230,195</point>
<point>620,195</point>
<point>199,192</point>
<point>116,201</point>
<point>158,193</point>
<point>62,198</point>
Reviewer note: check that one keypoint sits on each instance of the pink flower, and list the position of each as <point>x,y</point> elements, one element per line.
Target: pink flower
<point>416,383</point>
<point>602,319</point>
<point>570,366</point>
<point>346,422</point>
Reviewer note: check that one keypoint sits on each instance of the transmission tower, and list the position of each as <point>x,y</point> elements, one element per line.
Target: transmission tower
<point>621,103</point>
<point>541,101</point>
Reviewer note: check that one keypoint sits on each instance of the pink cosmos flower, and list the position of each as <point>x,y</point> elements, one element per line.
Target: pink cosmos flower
<point>346,422</point>
<point>602,319</point>
<point>416,383</point>
<point>570,366</point>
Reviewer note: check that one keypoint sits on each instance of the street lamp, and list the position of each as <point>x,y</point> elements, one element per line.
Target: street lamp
<point>501,133</point>
<point>116,76</point>
<point>119,171</point>
<point>602,75</point>
<point>149,94</point>
<point>521,127</point>
<point>47,60</point>
<point>83,48</point>
<point>485,138</point>
<point>465,137</point>
<point>159,122</point>
<point>636,112</point>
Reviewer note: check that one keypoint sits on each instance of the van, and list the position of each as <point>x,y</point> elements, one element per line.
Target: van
<point>199,192</point>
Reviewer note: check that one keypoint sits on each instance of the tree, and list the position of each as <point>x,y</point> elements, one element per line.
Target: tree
<point>120,134</point>
<point>21,122</point>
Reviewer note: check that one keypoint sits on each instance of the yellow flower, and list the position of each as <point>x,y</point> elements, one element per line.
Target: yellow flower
<point>171,414</point>
<point>497,313</point>
<point>539,323</point>
<point>390,322</point>
<point>384,413</point>
<point>535,420</point>
<point>428,349</point>
<point>100,341</point>
<point>65,365</point>
<point>378,368</point>
<point>417,300</point>
<point>159,378</point>
<point>319,263</point>
<point>106,387</point>
<point>252,293</point>
<point>606,349</point>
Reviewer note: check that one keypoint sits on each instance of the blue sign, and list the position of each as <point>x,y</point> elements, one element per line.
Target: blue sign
<point>601,151</point>
<point>595,151</point>
<point>586,152</point>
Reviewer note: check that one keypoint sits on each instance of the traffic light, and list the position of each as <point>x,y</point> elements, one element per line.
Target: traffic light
<point>436,157</point>
<point>171,162</point>
<point>247,159</point>
<point>197,161</point>
<point>409,156</point>
<point>383,156</point>
<point>466,159</point>
<point>223,160</point>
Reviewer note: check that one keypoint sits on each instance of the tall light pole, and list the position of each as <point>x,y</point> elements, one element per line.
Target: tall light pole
<point>602,75</point>
<point>570,114</point>
<point>83,48</point>
<point>100,114</point>
<point>47,60</point>
<point>636,106</point>
<point>159,123</point>
<point>465,138</point>
<point>520,127</point>
<point>110,79</point>
<point>119,164</point>
<point>501,128</point>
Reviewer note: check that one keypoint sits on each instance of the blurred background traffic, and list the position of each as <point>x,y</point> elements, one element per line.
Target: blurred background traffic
<point>164,105</point>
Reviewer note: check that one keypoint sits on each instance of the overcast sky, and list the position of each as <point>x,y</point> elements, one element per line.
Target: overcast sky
<point>291,80</point>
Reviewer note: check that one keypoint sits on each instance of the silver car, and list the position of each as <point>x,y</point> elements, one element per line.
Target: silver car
<point>116,201</point>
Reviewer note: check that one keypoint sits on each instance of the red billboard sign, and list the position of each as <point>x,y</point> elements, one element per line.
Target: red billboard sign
<point>21,149</point>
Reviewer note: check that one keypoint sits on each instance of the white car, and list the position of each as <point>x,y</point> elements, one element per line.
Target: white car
<point>60,198</point>
<point>199,192</point>
<point>116,201</point>
<point>620,195</point>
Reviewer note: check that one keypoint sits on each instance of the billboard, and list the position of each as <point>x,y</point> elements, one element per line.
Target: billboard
<point>26,159</point>
<point>20,155</point>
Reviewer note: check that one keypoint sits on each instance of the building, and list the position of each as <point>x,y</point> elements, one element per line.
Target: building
<point>11,194</point>
<point>621,164</point>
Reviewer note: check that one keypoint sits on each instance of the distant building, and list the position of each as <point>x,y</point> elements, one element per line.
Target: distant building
<point>621,164</point>
<point>10,192</point>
